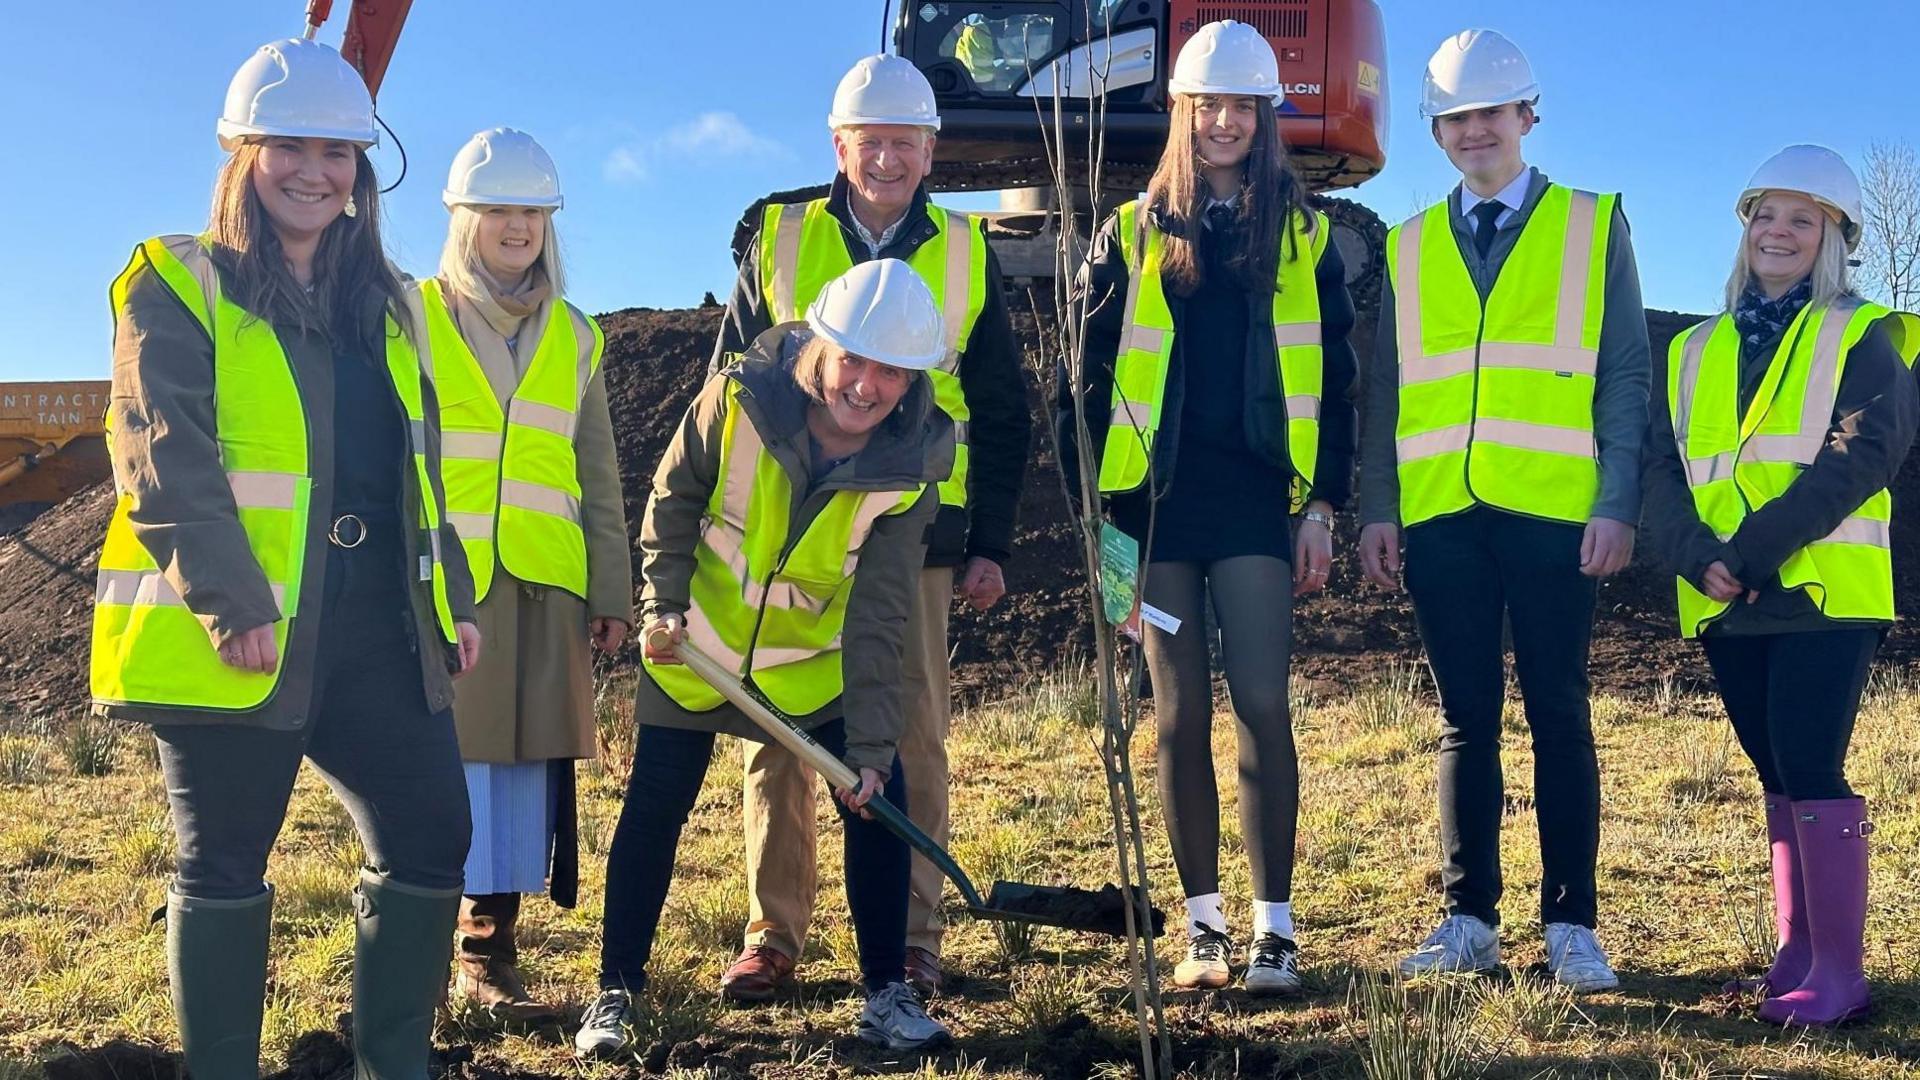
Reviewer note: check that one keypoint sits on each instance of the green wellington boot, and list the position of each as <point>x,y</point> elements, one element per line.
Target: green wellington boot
<point>403,941</point>
<point>217,966</point>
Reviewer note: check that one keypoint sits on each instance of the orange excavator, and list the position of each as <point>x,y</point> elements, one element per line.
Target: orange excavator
<point>998,68</point>
<point>991,64</point>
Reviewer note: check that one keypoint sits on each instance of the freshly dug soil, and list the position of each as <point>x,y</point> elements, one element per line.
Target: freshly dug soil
<point>46,606</point>
<point>656,361</point>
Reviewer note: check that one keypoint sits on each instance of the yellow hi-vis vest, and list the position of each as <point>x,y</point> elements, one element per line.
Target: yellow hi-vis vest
<point>149,648</point>
<point>512,480</point>
<point>766,603</point>
<point>1146,348</point>
<point>1496,400</point>
<point>1738,463</point>
<point>802,248</point>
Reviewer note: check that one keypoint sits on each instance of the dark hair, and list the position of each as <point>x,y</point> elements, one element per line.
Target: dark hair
<point>349,263</point>
<point>1270,193</point>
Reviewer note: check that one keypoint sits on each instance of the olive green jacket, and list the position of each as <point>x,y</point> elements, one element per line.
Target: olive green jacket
<point>913,446</point>
<point>165,452</point>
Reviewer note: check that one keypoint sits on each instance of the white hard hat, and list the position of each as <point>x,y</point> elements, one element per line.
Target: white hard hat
<point>1816,172</point>
<point>298,88</point>
<point>882,310</point>
<point>502,167</point>
<point>1227,58</point>
<point>884,89</point>
<point>1476,69</point>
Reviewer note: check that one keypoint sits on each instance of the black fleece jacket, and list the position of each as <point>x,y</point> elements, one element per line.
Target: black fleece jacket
<point>1210,389</point>
<point>999,427</point>
<point>1875,416</point>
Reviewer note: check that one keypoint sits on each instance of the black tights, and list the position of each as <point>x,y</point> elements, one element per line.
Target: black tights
<point>1792,699</point>
<point>1253,604</point>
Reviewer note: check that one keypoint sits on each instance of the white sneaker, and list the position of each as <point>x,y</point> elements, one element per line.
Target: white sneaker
<point>1209,961</point>
<point>1576,959</point>
<point>1272,965</point>
<point>1461,944</point>
<point>607,1027</point>
<point>895,1019</point>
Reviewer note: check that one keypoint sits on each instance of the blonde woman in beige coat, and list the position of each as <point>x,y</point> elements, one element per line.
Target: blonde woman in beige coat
<point>517,368</point>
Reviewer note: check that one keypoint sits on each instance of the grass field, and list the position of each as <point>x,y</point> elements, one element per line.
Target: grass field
<point>85,850</point>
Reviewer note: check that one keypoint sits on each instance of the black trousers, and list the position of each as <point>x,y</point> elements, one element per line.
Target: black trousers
<point>1792,699</point>
<point>394,764</point>
<point>1465,573</point>
<point>669,765</point>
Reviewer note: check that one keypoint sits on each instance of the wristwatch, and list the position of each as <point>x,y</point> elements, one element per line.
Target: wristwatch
<point>1319,517</point>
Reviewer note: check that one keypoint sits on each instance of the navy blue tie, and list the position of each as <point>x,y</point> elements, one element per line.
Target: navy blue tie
<point>1484,216</point>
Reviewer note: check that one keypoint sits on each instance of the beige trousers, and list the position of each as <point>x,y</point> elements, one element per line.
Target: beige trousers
<point>782,869</point>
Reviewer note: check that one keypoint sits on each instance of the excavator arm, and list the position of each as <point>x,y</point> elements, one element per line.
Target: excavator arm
<point>373,29</point>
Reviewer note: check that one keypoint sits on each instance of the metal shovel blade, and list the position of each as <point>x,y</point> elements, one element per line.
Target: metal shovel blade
<point>1102,912</point>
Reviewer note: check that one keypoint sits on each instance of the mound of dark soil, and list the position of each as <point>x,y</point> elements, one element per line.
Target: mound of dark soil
<point>46,605</point>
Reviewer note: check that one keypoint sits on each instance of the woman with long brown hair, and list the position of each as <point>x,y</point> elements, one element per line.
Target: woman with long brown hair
<point>278,580</point>
<point>1217,378</point>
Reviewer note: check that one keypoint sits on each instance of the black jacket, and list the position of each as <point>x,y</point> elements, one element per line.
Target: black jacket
<point>1875,415</point>
<point>999,428</point>
<point>1102,282</point>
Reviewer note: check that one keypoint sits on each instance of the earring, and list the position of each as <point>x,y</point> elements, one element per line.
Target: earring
<point>351,210</point>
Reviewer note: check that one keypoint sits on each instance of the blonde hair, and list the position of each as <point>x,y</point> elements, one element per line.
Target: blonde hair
<point>460,259</point>
<point>809,368</point>
<point>1831,281</point>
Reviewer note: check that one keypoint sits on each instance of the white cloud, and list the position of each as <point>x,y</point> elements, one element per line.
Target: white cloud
<point>710,136</point>
<point>625,164</point>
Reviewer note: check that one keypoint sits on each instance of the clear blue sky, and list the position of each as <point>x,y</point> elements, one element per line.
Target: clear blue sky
<point>668,118</point>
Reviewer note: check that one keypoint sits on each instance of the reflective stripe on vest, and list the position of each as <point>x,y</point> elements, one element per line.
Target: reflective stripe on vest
<point>513,483</point>
<point>765,603</point>
<point>149,647</point>
<point>1146,348</point>
<point>1496,400</point>
<point>803,247</point>
<point>1736,463</point>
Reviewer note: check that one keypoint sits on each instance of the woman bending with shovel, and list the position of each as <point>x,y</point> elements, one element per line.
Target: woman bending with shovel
<point>784,539</point>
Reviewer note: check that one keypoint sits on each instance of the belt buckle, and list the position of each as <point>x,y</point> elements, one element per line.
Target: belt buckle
<point>358,532</point>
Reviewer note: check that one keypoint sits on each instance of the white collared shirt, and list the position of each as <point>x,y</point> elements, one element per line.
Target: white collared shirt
<point>1512,197</point>
<point>875,244</point>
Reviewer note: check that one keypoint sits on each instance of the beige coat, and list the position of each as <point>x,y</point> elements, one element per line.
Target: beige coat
<point>531,696</point>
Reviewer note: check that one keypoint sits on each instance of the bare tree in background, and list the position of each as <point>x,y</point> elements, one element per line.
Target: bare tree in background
<point>1890,250</point>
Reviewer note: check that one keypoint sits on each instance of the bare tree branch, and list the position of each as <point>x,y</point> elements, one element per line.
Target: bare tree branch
<point>1889,252</point>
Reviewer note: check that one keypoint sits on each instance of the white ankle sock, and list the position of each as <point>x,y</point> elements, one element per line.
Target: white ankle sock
<point>1274,916</point>
<point>1209,909</point>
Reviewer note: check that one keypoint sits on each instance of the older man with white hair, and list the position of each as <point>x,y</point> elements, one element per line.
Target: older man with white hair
<point>884,122</point>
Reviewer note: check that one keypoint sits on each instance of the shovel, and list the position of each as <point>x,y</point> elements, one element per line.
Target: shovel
<point>1102,912</point>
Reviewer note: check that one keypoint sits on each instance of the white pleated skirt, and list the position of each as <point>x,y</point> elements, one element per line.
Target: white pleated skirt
<point>512,827</point>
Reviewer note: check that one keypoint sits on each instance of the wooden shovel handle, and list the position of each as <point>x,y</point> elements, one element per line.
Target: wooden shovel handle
<point>837,774</point>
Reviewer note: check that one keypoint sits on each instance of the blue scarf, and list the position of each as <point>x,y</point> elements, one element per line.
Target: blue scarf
<point>1761,321</point>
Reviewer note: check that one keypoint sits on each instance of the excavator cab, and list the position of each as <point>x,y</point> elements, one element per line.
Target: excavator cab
<point>996,69</point>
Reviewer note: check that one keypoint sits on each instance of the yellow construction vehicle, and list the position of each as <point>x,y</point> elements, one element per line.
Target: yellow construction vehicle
<point>52,445</point>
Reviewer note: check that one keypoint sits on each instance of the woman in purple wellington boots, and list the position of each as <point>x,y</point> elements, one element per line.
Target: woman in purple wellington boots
<point>1784,421</point>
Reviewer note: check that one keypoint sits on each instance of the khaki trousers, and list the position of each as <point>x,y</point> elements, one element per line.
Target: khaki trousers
<point>782,868</point>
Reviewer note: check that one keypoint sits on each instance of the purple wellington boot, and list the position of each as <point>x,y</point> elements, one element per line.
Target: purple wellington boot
<point>1792,955</point>
<point>1833,865</point>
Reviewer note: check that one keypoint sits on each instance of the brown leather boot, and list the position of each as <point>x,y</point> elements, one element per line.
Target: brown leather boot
<point>757,974</point>
<point>487,956</point>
